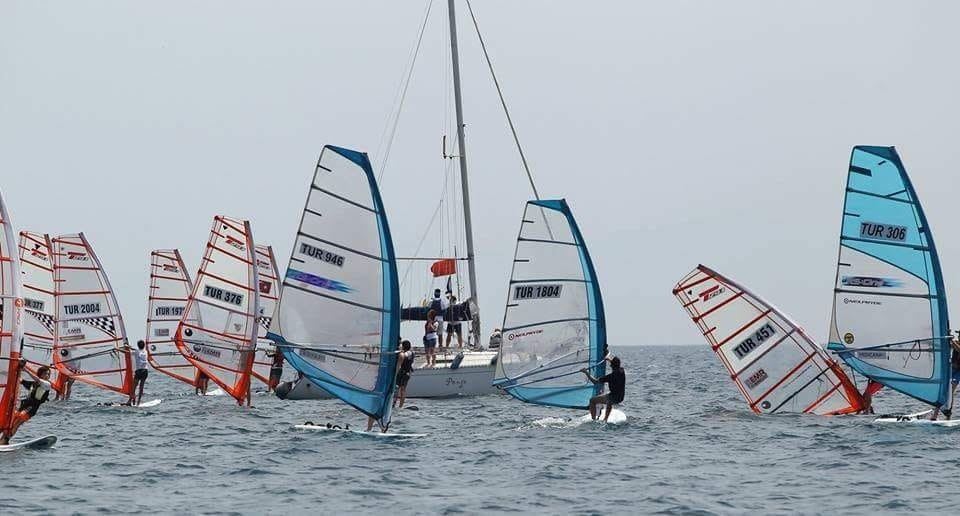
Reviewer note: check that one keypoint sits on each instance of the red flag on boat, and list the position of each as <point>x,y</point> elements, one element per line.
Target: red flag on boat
<point>444,267</point>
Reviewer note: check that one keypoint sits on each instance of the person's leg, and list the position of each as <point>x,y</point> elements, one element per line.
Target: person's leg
<point>593,408</point>
<point>19,418</point>
<point>140,393</point>
<point>370,423</point>
<point>609,409</point>
<point>403,394</point>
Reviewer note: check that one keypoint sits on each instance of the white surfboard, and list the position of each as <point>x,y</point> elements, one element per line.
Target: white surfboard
<point>151,403</point>
<point>40,443</point>
<point>380,435</point>
<point>919,418</point>
<point>216,392</point>
<point>617,417</point>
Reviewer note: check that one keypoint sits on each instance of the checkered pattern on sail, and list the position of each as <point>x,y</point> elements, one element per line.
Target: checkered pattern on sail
<point>264,321</point>
<point>45,319</point>
<point>102,323</point>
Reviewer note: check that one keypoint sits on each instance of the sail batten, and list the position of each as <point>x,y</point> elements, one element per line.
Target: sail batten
<point>339,297</point>
<point>218,330</point>
<point>772,362</point>
<point>889,320</point>
<point>554,324</point>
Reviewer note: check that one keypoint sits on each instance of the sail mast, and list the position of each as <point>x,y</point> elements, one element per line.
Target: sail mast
<point>464,183</point>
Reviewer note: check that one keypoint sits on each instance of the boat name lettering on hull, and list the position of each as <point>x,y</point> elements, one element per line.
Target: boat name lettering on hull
<point>524,292</point>
<point>222,295</point>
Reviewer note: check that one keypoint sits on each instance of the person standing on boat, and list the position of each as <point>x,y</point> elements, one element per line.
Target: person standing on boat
<point>276,370</point>
<point>140,374</point>
<point>616,380</point>
<point>453,327</point>
<point>404,370</point>
<point>430,337</point>
<point>38,395</point>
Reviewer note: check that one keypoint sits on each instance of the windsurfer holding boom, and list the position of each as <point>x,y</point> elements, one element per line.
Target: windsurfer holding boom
<point>38,394</point>
<point>954,378</point>
<point>616,380</point>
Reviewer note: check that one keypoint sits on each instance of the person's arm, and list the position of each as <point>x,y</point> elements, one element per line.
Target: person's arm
<point>589,376</point>
<point>23,364</point>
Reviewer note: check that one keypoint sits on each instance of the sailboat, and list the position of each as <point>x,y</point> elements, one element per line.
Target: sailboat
<point>269,287</point>
<point>218,330</point>
<point>36,271</point>
<point>457,372</point>
<point>11,335</point>
<point>90,340</point>
<point>890,320</point>
<point>553,324</point>
<point>771,360</point>
<point>337,321</point>
<point>170,288</point>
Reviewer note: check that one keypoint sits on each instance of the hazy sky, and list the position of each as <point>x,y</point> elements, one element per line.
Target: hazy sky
<point>680,132</point>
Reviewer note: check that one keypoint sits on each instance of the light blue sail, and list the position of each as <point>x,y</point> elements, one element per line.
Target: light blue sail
<point>338,316</point>
<point>554,323</point>
<point>890,311</point>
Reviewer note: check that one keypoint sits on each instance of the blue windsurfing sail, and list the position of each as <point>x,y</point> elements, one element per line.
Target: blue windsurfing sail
<point>889,309</point>
<point>553,325</point>
<point>338,317</point>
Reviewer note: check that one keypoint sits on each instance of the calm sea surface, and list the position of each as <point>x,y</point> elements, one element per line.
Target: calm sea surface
<point>690,446</point>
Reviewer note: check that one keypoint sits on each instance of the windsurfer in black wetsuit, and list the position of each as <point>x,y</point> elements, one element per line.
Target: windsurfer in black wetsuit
<point>38,395</point>
<point>954,378</point>
<point>617,382</point>
<point>404,370</point>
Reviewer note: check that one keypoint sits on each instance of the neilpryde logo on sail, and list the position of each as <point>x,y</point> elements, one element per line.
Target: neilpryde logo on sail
<point>871,282</point>
<point>317,281</point>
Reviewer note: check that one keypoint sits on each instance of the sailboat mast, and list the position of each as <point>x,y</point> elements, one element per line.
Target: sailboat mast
<point>464,183</point>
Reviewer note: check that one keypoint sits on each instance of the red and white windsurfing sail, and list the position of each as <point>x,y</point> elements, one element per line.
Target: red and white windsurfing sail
<point>39,324</point>
<point>218,332</point>
<point>170,287</point>
<point>776,366</point>
<point>269,288</point>
<point>11,329</point>
<point>89,342</point>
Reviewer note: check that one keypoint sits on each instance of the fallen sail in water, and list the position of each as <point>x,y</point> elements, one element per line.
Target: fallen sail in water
<point>554,323</point>
<point>338,317</point>
<point>890,320</point>
<point>269,288</point>
<point>218,331</point>
<point>170,287</point>
<point>36,271</point>
<point>773,363</point>
<point>90,341</point>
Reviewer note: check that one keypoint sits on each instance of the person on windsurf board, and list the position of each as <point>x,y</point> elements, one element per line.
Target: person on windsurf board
<point>404,370</point>
<point>954,378</point>
<point>140,375</point>
<point>616,380</point>
<point>867,396</point>
<point>38,395</point>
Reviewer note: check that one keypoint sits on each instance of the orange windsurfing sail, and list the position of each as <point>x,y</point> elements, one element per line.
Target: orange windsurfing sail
<point>170,287</point>
<point>218,332</point>
<point>40,313</point>
<point>11,329</point>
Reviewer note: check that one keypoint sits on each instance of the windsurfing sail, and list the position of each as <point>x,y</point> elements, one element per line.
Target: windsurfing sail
<point>269,288</point>
<point>39,324</point>
<point>11,329</point>
<point>889,307</point>
<point>776,366</point>
<point>170,286</point>
<point>218,331</point>
<point>338,317</point>
<point>90,342</point>
<point>554,324</point>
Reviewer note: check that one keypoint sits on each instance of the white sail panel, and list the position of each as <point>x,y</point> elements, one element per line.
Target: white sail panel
<point>170,287</point>
<point>338,318</point>
<point>774,364</point>
<point>553,324</point>
<point>219,329</point>
<point>90,342</point>
<point>269,288</point>
<point>40,312</point>
<point>11,320</point>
